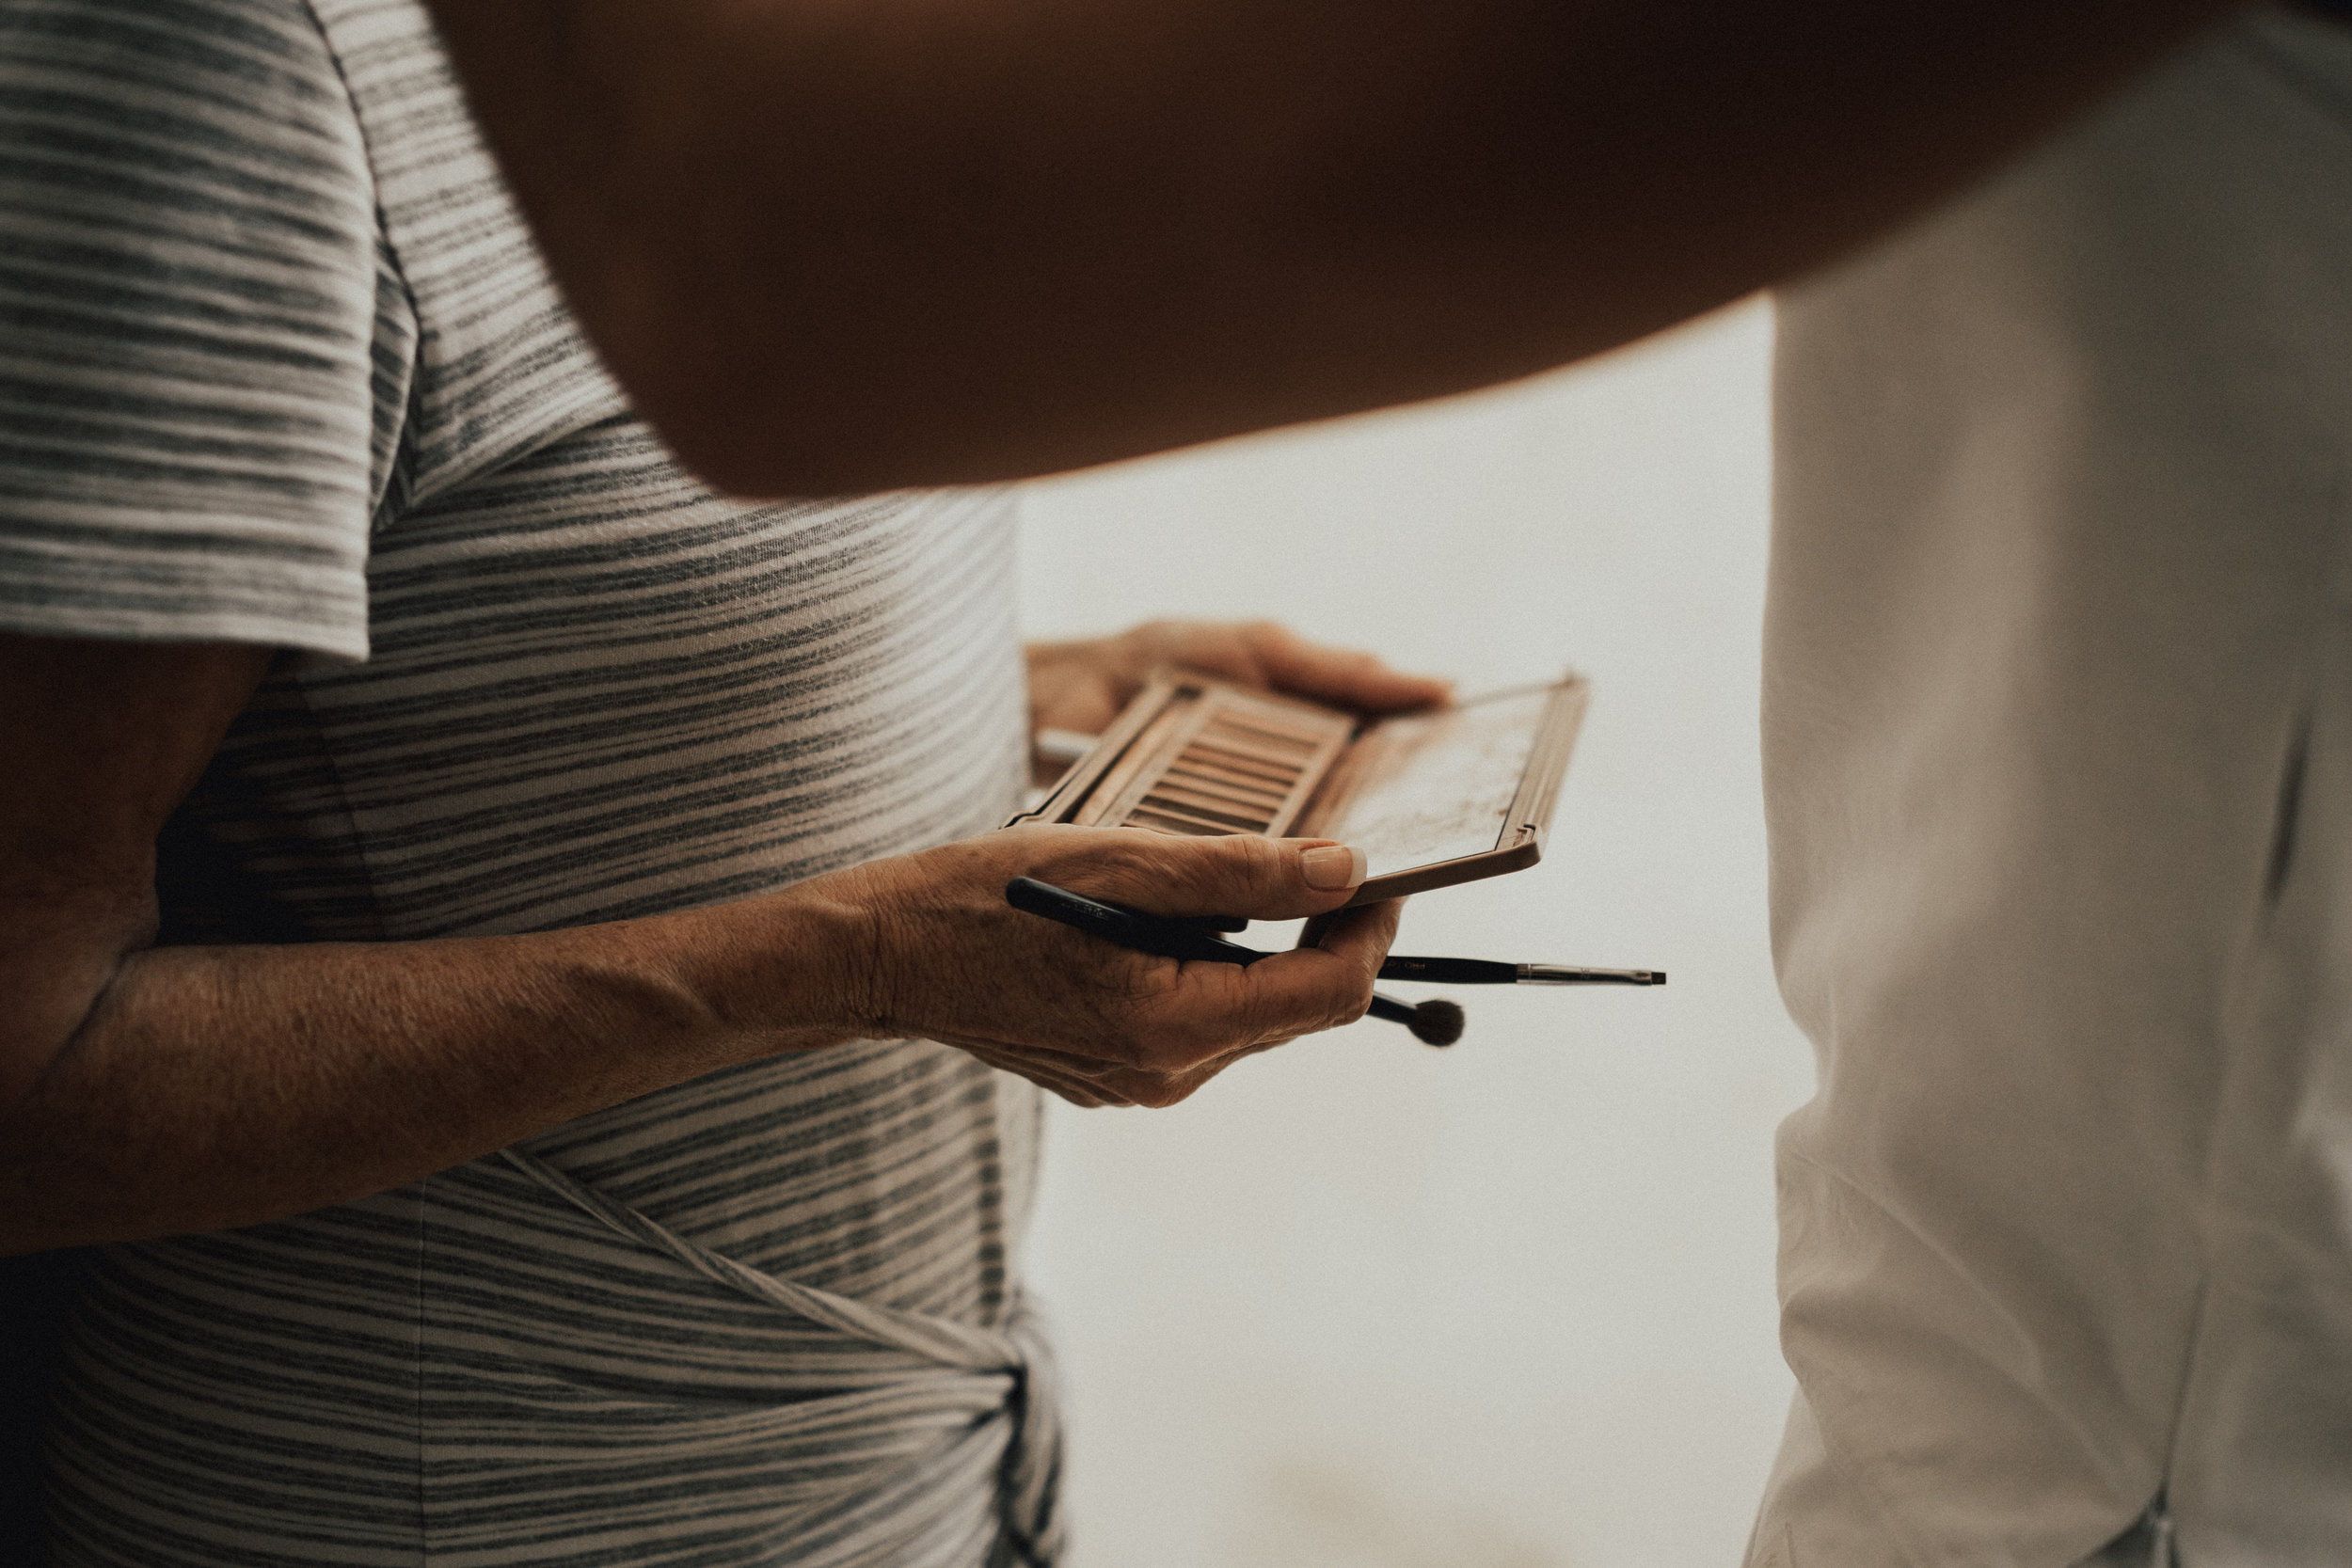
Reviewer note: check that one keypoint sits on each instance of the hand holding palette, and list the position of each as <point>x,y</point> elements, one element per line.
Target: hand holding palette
<point>1433,798</point>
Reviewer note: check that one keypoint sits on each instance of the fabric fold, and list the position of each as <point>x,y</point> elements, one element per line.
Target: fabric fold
<point>1011,1367</point>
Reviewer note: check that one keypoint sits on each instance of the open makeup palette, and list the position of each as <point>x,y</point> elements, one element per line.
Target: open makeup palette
<point>1434,797</point>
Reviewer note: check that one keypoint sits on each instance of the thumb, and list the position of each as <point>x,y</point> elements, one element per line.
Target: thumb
<point>1241,874</point>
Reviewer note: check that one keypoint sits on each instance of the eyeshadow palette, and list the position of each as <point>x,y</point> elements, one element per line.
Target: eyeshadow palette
<point>1434,797</point>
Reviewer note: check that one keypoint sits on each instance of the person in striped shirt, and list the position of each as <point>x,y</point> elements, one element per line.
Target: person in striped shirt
<point>504,978</point>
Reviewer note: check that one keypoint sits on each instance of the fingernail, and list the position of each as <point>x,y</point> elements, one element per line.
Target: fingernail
<point>1332,867</point>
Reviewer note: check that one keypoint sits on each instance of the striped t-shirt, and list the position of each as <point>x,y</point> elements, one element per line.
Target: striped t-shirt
<point>280,365</point>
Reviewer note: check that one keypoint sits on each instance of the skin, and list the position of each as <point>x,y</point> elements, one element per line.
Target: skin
<point>1081,686</point>
<point>148,1091</point>
<point>833,246</point>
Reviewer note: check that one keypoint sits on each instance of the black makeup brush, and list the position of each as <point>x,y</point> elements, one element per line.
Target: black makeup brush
<point>1436,1021</point>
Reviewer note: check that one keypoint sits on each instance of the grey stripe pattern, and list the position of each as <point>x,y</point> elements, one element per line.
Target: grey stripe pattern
<point>769,1316</point>
<point>186,293</point>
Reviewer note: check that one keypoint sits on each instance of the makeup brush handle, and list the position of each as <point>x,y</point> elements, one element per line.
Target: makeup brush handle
<point>1559,974</point>
<point>1450,972</point>
<point>1390,1008</point>
<point>1144,934</point>
<point>1486,971</point>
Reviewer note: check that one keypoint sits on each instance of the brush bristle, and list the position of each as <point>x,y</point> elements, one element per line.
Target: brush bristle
<point>1437,1021</point>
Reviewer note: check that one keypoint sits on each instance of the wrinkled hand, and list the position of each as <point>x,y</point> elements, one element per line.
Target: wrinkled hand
<point>951,960</point>
<point>1081,686</point>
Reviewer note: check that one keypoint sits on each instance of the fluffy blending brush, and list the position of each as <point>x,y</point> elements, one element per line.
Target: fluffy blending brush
<point>1436,1021</point>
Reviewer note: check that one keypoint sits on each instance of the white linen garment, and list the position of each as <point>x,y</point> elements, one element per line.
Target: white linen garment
<point>2059,767</point>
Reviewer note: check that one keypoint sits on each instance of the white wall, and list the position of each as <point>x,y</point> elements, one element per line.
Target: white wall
<point>1363,1304</point>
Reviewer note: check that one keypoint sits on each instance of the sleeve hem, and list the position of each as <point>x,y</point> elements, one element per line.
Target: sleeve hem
<point>338,644</point>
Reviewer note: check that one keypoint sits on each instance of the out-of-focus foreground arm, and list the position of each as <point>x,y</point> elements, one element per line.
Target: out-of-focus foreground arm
<point>840,245</point>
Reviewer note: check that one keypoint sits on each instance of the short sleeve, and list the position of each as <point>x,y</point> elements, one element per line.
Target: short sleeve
<point>187,307</point>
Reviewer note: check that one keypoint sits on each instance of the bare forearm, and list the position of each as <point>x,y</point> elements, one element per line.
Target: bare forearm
<point>147,1091</point>
<point>219,1086</point>
<point>837,247</point>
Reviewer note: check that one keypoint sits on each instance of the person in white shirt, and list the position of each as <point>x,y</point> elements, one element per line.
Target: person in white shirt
<point>2058,676</point>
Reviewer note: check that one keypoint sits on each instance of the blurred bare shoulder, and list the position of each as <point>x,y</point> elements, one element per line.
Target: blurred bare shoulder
<point>832,246</point>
